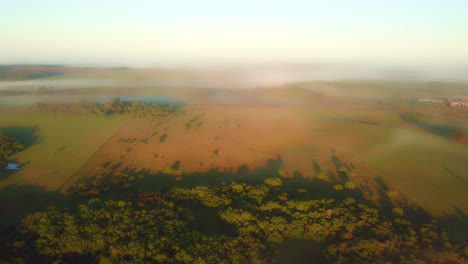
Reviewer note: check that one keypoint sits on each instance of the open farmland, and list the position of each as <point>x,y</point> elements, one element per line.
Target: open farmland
<point>225,137</point>
<point>61,144</point>
<point>326,138</point>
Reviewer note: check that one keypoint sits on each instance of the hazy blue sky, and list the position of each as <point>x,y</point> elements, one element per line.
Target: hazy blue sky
<point>152,32</point>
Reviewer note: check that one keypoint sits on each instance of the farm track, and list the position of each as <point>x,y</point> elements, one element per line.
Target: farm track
<point>77,174</point>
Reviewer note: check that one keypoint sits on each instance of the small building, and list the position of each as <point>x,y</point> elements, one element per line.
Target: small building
<point>458,102</point>
<point>13,166</point>
<point>462,104</point>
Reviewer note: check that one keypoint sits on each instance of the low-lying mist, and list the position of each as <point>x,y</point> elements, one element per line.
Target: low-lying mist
<point>232,84</point>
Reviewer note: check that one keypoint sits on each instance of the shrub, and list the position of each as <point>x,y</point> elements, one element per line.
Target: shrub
<point>163,137</point>
<point>273,182</point>
<point>350,185</point>
<point>321,175</point>
<point>398,211</point>
<point>338,187</point>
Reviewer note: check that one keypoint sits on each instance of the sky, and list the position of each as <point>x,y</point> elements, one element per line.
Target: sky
<point>151,33</point>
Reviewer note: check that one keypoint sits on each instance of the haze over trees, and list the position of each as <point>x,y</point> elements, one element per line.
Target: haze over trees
<point>86,107</point>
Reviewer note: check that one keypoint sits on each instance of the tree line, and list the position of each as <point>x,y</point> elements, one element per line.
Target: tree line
<point>459,135</point>
<point>113,107</point>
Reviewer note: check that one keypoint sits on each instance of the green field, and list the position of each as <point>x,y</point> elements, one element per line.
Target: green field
<point>62,144</point>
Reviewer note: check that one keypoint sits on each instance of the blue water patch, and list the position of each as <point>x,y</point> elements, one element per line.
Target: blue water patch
<point>12,166</point>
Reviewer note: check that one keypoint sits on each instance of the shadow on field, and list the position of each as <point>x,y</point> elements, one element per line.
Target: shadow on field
<point>388,202</point>
<point>456,225</point>
<point>315,188</point>
<point>16,201</point>
<point>442,130</point>
<point>27,135</point>
<point>162,181</point>
<point>455,175</point>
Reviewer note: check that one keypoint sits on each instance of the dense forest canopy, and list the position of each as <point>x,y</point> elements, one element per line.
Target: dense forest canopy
<point>111,221</point>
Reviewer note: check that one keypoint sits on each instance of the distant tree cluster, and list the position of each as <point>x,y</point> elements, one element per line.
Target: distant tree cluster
<point>85,107</point>
<point>415,117</point>
<point>113,107</point>
<point>248,223</point>
<point>459,136</point>
<point>9,145</point>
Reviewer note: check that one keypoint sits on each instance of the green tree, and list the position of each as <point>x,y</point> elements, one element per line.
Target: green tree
<point>9,145</point>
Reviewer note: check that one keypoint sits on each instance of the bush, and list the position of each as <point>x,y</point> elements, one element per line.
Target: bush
<point>338,187</point>
<point>321,176</point>
<point>273,182</point>
<point>398,211</point>
<point>350,185</point>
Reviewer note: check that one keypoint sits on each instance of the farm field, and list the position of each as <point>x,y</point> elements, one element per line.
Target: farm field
<point>62,144</point>
<point>225,137</point>
<point>323,141</point>
<point>216,132</point>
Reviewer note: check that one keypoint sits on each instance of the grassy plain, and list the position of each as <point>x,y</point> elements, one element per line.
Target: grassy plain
<point>305,124</point>
<point>424,167</point>
<point>56,146</point>
<point>62,144</point>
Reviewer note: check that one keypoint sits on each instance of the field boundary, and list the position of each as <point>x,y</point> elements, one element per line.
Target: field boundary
<point>71,178</point>
<point>82,170</point>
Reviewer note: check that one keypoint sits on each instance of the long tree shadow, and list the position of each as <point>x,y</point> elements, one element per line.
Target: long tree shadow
<point>341,168</point>
<point>388,200</point>
<point>317,167</point>
<point>442,130</point>
<point>27,135</point>
<point>297,186</point>
<point>455,175</point>
<point>162,181</point>
<point>316,188</point>
<point>336,161</point>
<point>456,225</point>
<point>18,201</point>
